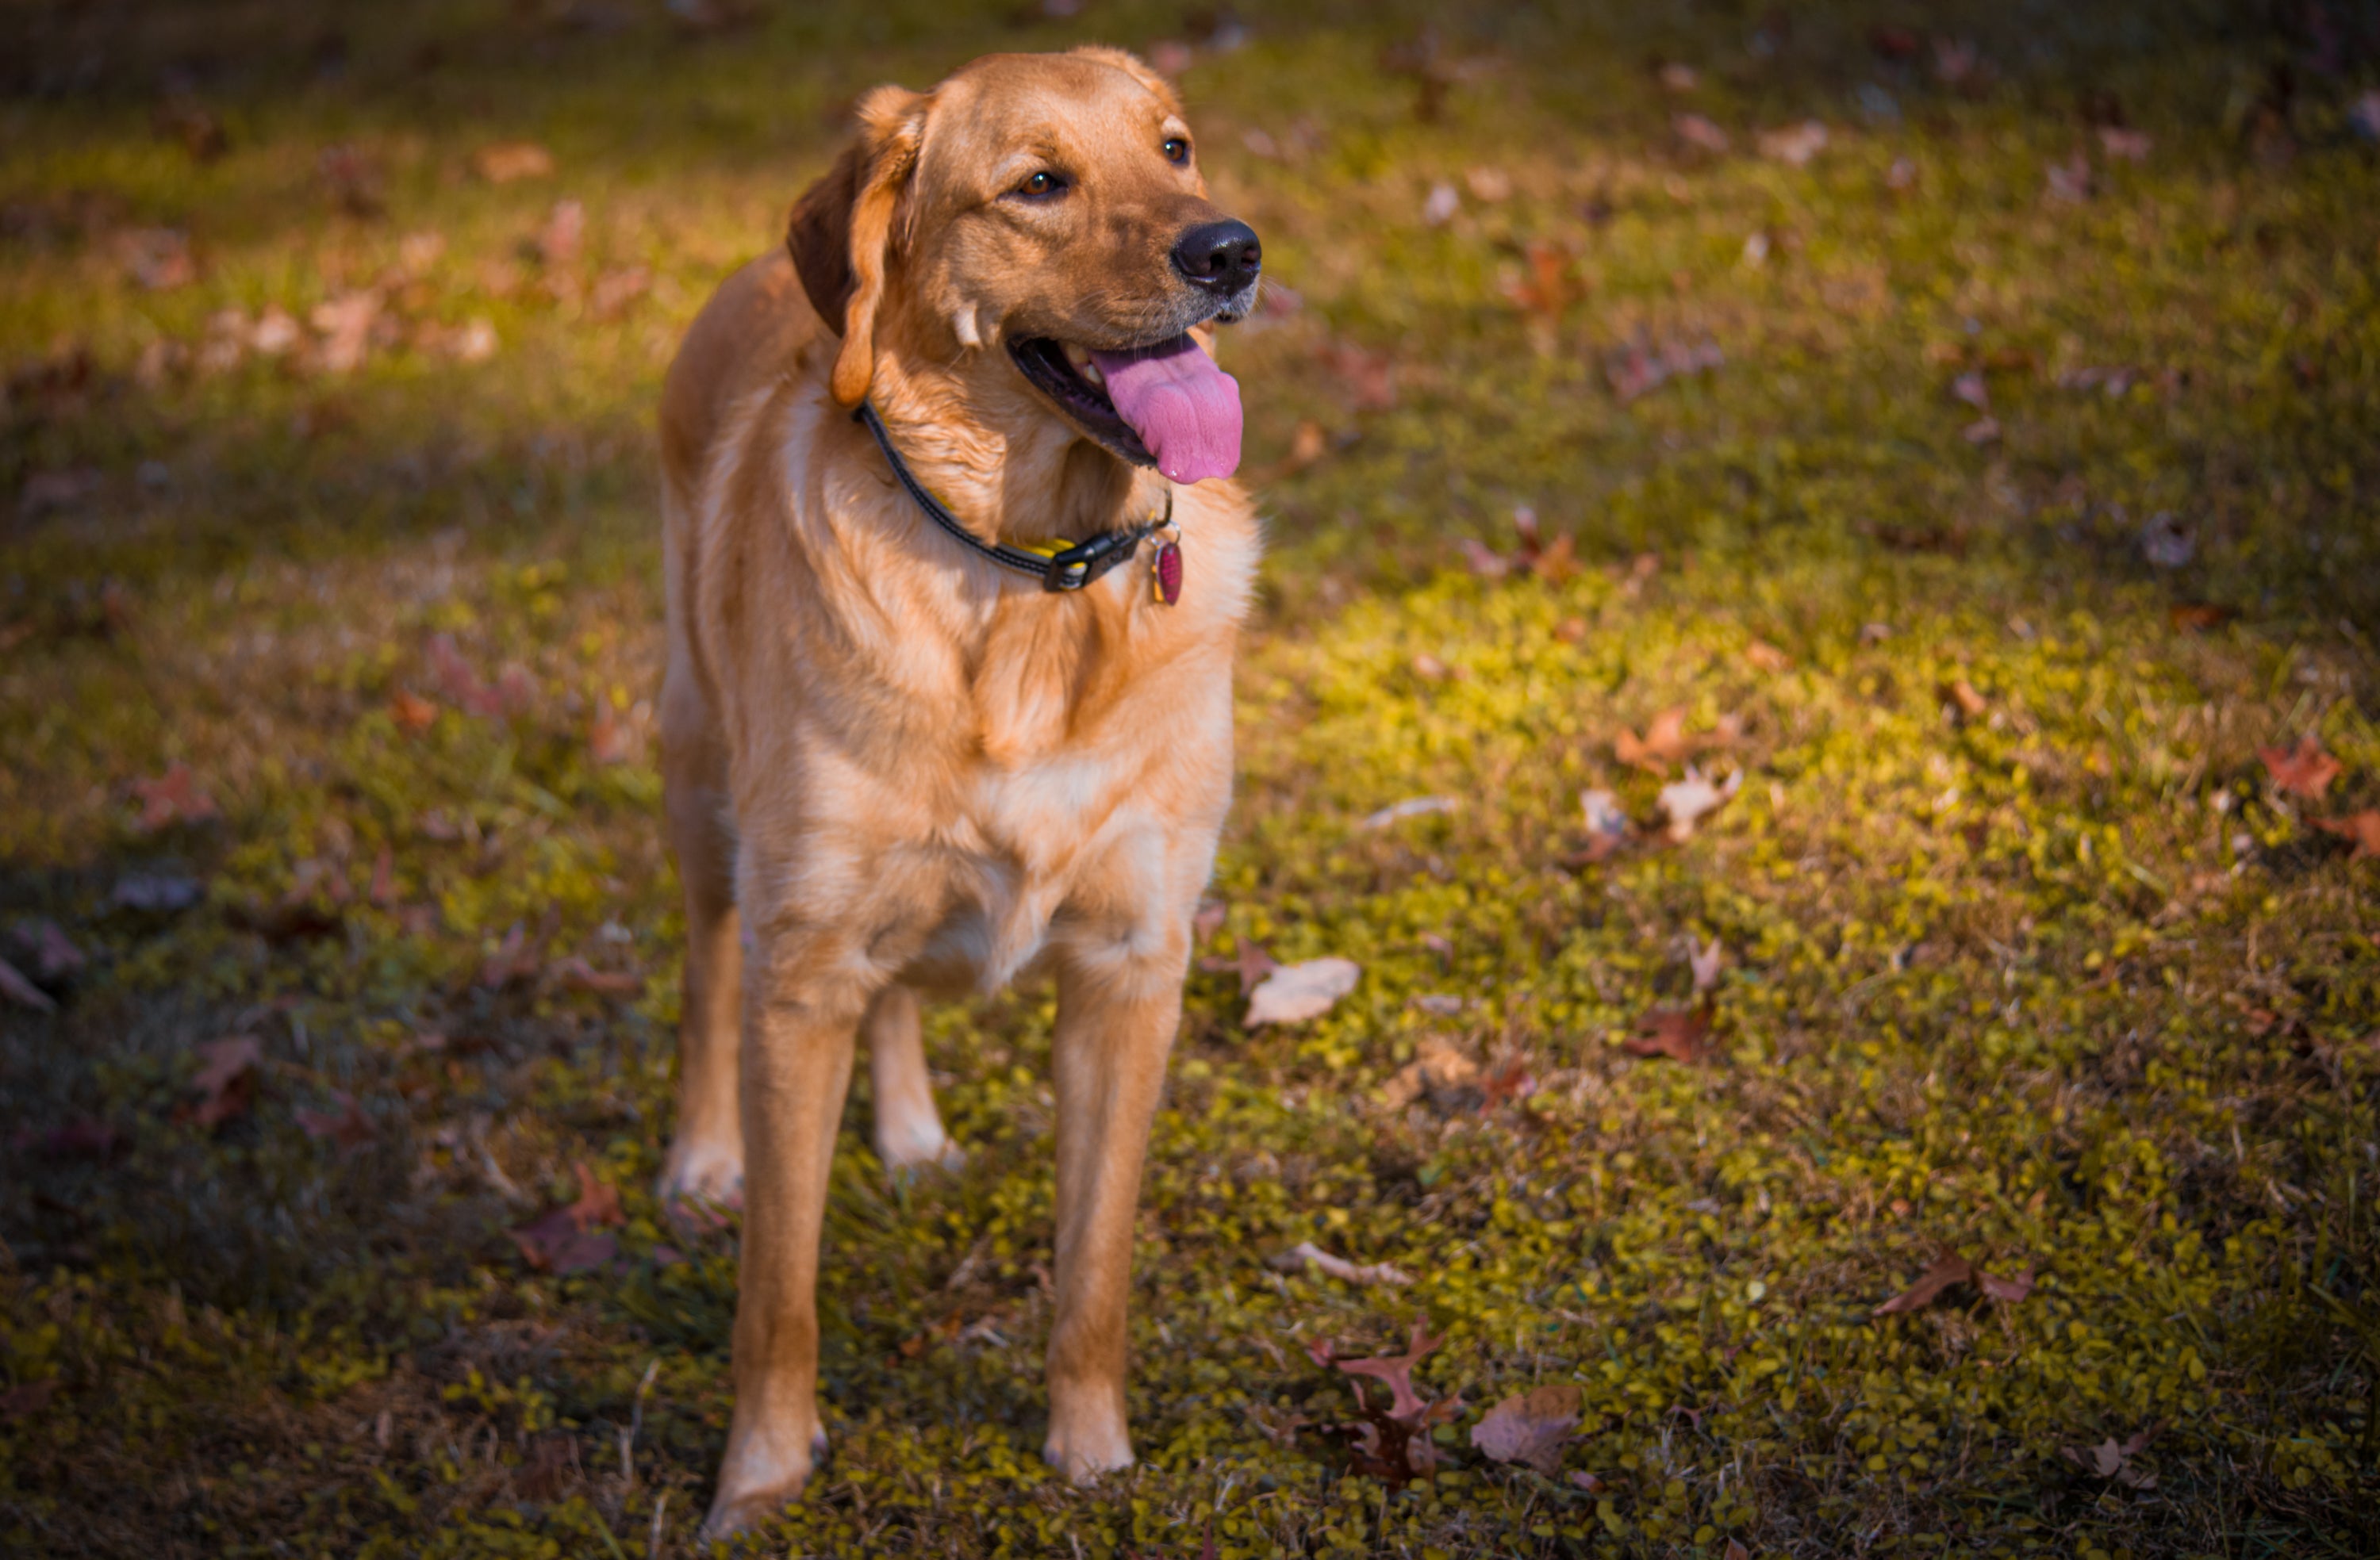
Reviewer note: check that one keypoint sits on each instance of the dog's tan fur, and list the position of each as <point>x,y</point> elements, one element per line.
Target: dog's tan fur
<point>892,767</point>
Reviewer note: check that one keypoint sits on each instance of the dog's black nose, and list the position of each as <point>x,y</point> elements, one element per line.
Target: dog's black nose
<point>1222,257</point>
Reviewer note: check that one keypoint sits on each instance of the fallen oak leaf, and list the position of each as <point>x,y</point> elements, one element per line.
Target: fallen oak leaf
<point>566,1240</point>
<point>1679,1033</point>
<point>503,162</point>
<point>1293,993</point>
<point>2006,1290</point>
<point>1442,1071</point>
<point>2304,771</point>
<point>1306,1254</point>
<point>512,960</point>
<point>2362,829</point>
<point>1663,743</point>
<point>1512,1080</point>
<point>1687,801</point>
<point>1796,144</point>
<point>348,1127</point>
<point>171,798</point>
<point>1392,1371</point>
<point>2112,1458</point>
<point>1248,960</point>
<point>1950,1270</point>
<point>225,1080</point>
<point>411,711</point>
<point>1606,827</point>
<point>1530,1427</point>
<point>1696,130</point>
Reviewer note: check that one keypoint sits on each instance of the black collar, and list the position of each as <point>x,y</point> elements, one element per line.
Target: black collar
<point>1058,568</point>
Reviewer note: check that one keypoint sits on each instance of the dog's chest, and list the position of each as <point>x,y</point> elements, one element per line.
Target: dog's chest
<point>1010,854</point>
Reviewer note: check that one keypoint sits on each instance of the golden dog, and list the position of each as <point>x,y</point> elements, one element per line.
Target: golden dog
<point>897,762</point>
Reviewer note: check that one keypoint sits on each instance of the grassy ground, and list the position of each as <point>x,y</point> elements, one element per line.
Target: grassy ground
<point>1985,491</point>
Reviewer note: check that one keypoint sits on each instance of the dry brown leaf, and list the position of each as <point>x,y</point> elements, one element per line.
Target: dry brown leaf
<point>1249,962</point>
<point>348,1126</point>
<point>2113,1458</point>
<point>1794,145</point>
<point>2007,1290</point>
<point>1664,742</point>
<point>1439,1070</point>
<point>2361,828</point>
<point>1765,656</point>
<point>1530,1427</point>
<point>1686,801</point>
<point>1392,1371</point>
<point>411,711</point>
<point>503,162</point>
<point>2197,617</point>
<point>172,797</point>
<point>1305,1254</point>
<point>1293,993</point>
<point>1962,693</point>
<point>564,1240</point>
<point>514,960</point>
<point>2303,770</point>
<point>1698,131</point>
<point>1606,827</point>
<point>1679,1034</point>
<point>225,1080</point>
<point>1949,1270</point>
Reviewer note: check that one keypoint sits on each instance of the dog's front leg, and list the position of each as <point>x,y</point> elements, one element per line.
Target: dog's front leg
<point>800,1020</point>
<point>1116,1022</point>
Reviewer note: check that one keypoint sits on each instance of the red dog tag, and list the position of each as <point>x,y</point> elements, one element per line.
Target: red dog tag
<point>1168,570</point>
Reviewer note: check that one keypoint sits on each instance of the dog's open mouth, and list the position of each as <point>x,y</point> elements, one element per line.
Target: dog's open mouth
<point>1165,404</point>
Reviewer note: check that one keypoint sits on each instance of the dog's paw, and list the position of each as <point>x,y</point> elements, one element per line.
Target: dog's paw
<point>1082,1452</point>
<point>753,1488</point>
<point>911,1155</point>
<point>696,1176</point>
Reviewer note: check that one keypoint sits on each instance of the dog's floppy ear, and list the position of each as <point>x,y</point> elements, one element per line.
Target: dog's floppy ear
<point>841,229</point>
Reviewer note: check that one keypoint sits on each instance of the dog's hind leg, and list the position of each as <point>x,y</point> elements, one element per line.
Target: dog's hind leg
<point>908,1131</point>
<point>706,1157</point>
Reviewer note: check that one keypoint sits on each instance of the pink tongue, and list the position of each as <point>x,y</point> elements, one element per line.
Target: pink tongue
<point>1185,409</point>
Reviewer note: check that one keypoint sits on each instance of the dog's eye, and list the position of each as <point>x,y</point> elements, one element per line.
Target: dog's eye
<point>1041,185</point>
<point>1176,149</point>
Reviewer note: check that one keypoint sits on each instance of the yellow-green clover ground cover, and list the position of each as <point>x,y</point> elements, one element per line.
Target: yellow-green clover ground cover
<point>1982,488</point>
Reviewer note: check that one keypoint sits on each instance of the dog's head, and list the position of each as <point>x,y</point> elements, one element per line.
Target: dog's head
<point>1044,213</point>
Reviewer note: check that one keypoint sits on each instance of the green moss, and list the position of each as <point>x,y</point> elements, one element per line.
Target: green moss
<point>2058,979</point>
